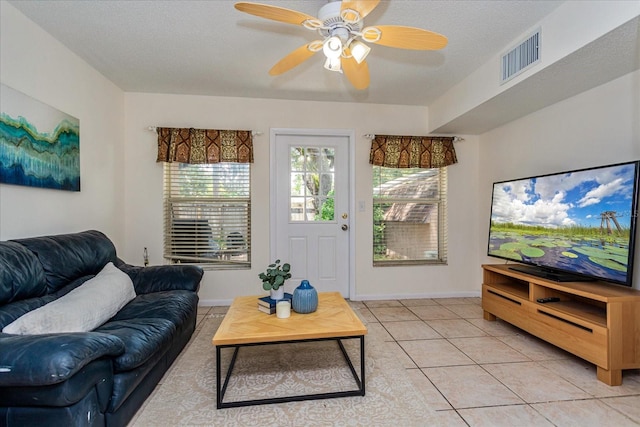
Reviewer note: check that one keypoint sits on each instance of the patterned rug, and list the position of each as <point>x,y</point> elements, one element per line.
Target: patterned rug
<point>186,395</point>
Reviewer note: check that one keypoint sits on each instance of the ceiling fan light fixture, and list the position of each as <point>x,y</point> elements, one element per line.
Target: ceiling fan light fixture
<point>332,47</point>
<point>333,64</point>
<point>359,51</point>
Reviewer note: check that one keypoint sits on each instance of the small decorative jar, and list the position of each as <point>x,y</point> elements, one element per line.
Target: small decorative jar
<point>305,298</point>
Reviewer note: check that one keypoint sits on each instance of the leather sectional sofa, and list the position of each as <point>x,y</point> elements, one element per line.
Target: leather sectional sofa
<point>86,378</point>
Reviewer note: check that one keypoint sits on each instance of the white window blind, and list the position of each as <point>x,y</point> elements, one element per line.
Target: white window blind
<point>207,214</point>
<point>409,216</point>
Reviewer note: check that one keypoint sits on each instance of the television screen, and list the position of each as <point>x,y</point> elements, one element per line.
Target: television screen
<point>569,226</point>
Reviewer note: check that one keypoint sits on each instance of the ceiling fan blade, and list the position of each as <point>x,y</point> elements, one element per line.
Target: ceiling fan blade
<point>405,37</point>
<point>274,12</point>
<point>362,6</point>
<point>358,74</point>
<point>294,59</point>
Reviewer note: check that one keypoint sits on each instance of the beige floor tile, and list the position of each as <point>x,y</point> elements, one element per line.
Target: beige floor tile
<point>383,303</point>
<point>418,302</point>
<point>466,311</point>
<point>400,356</point>
<point>495,328</point>
<point>455,328</point>
<point>431,394</point>
<point>434,353</point>
<point>534,348</point>
<point>534,383</point>
<point>221,309</point>
<point>583,413</point>
<point>458,301</point>
<point>470,387</point>
<point>199,320</point>
<point>488,350</point>
<point>444,419</point>
<point>410,330</point>
<point>390,314</point>
<point>377,330</point>
<point>203,309</point>
<point>433,312</point>
<point>504,416</point>
<point>583,374</point>
<point>356,304</point>
<point>365,314</point>
<point>628,405</point>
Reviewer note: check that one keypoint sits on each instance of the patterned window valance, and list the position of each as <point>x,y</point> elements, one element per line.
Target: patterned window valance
<point>188,145</point>
<point>392,151</point>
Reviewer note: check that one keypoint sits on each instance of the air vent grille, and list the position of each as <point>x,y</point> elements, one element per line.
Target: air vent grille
<point>520,57</point>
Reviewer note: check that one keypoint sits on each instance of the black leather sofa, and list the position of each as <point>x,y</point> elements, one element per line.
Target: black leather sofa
<point>95,378</point>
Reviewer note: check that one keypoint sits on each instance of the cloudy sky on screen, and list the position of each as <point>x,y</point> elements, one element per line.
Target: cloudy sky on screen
<point>575,198</point>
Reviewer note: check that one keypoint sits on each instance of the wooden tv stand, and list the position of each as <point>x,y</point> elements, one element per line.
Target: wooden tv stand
<point>596,321</point>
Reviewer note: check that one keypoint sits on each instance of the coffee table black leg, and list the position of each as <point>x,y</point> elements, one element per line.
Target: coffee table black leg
<point>218,375</point>
<point>362,363</point>
<point>221,389</point>
<point>359,381</point>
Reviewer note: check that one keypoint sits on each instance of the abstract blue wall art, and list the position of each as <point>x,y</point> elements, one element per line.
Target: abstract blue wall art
<point>39,145</point>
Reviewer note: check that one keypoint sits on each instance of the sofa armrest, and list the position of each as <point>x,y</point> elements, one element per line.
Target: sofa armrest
<point>164,277</point>
<point>33,360</point>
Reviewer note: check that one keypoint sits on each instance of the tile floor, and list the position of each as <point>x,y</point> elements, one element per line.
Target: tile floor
<point>483,373</point>
<point>480,373</point>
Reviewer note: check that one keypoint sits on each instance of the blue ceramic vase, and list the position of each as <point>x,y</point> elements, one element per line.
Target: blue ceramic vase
<point>305,298</point>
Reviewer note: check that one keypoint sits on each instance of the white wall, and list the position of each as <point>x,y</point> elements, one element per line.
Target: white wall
<point>33,62</point>
<point>570,27</point>
<point>143,189</point>
<point>598,127</point>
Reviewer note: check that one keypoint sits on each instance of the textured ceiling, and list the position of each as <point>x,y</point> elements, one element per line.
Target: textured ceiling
<point>210,48</point>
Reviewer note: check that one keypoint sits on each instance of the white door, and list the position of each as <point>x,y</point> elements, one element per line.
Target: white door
<point>310,207</point>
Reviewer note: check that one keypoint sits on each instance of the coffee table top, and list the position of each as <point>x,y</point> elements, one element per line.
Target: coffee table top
<point>245,324</point>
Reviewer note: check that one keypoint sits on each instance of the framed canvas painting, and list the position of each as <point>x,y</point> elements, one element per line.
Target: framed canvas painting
<point>39,145</point>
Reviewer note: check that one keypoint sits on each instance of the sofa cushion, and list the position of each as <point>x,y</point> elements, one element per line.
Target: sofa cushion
<point>52,358</point>
<point>143,338</point>
<point>81,310</point>
<point>66,257</point>
<point>10,312</point>
<point>21,275</point>
<point>175,306</point>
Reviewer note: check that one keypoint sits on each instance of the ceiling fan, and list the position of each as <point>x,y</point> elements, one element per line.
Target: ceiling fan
<point>344,37</point>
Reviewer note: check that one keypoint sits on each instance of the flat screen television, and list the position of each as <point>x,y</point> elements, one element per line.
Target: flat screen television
<point>570,226</point>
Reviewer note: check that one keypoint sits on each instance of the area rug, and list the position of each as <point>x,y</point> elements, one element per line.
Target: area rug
<point>186,395</point>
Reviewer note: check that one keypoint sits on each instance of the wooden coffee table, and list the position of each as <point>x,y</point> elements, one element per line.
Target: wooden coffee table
<point>244,325</point>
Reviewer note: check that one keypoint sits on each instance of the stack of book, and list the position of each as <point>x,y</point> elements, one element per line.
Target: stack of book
<point>268,305</point>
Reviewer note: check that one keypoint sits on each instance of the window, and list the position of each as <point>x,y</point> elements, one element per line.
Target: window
<point>207,214</point>
<point>312,184</point>
<point>409,216</point>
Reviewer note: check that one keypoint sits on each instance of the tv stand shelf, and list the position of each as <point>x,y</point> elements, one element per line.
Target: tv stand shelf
<point>596,321</point>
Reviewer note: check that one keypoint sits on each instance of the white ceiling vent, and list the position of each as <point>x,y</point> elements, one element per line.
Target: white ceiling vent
<point>520,57</point>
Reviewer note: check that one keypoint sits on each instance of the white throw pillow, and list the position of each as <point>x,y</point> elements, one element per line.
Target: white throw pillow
<point>81,310</point>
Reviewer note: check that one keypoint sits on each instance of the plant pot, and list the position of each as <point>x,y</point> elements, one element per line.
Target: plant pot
<point>277,294</point>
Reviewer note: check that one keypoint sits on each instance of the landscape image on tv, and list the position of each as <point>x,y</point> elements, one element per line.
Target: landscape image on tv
<point>579,222</point>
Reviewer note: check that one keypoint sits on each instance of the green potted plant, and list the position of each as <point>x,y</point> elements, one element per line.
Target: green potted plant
<point>273,279</point>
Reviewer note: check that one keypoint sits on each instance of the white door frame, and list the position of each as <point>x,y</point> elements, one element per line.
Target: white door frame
<point>350,135</point>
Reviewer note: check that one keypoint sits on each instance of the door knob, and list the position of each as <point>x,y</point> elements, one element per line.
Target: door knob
<point>345,227</point>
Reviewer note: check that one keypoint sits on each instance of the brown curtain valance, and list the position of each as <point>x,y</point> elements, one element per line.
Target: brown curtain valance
<point>392,151</point>
<point>188,145</point>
